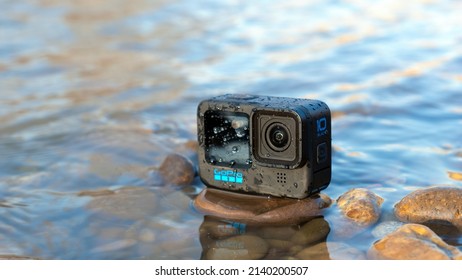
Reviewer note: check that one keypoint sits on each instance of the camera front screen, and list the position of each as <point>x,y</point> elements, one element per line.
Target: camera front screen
<point>227,141</point>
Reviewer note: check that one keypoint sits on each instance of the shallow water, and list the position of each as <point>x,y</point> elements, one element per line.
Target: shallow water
<point>94,94</point>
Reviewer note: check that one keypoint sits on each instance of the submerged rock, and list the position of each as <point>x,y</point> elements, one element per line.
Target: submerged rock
<point>261,210</point>
<point>177,170</point>
<point>16,257</point>
<point>216,229</point>
<point>127,203</point>
<point>432,205</point>
<point>95,193</point>
<point>330,251</point>
<point>413,242</point>
<point>311,232</point>
<point>242,247</point>
<point>361,206</point>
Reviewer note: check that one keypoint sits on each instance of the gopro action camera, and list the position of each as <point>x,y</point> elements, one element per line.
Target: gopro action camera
<point>267,145</point>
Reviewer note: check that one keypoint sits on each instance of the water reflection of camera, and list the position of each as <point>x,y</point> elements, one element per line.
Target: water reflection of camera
<point>268,145</point>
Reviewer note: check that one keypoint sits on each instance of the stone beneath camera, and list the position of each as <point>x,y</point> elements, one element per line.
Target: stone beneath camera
<point>413,242</point>
<point>361,206</point>
<point>242,247</point>
<point>177,170</point>
<point>311,232</point>
<point>260,210</point>
<point>432,205</point>
<point>330,251</point>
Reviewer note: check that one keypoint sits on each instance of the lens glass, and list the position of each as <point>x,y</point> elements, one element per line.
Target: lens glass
<point>278,137</point>
<point>227,138</point>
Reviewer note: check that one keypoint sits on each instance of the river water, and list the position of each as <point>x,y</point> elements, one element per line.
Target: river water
<point>95,94</point>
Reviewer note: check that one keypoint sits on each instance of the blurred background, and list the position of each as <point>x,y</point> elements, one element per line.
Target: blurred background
<point>94,95</point>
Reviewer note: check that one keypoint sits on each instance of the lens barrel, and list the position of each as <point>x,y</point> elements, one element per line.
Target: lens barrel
<point>278,137</point>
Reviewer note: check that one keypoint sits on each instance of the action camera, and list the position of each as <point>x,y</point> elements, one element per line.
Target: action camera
<point>267,145</point>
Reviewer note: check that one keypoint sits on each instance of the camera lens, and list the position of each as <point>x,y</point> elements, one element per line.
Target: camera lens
<point>278,137</point>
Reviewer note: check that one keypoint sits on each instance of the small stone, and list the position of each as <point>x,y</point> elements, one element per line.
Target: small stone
<point>311,232</point>
<point>127,203</point>
<point>361,206</point>
<point>413,242</point>
<point>177,170</point>
<point>260,210</point>
<point>330,251</point>
<point>242,247</point>
<point>432,205</point>
<point>315,252</point>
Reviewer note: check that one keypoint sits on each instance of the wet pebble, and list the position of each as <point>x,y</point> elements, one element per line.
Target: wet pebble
<point>434,204</point>
<point>311,232</point>
<point>127,203</point>
<point>177,170</point>
<point>361,206</point>
<point>330,251</point>
<point>259,210</point>
<point>413,242</point>
<point>242,247</point>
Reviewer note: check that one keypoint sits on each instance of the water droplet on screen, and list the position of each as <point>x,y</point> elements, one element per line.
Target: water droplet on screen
<point>232,163</point>
<point>235,149</point>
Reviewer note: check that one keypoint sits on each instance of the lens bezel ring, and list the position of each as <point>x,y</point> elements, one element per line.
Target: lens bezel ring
<point>269,134</point>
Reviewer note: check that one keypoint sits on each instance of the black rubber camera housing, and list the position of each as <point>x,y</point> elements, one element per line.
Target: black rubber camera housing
<point>267,145</point>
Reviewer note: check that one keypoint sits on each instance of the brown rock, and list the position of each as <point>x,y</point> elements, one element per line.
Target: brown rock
<point>261,210</point>
<point>311,232</point>
<point>413,242</point>
<point>330,251</point>
<point>315,252</point>
<point>433,204</point>
<point>177,170</point>
<point>361,206</point>
<point>242,247</point>
<point>279,244</point>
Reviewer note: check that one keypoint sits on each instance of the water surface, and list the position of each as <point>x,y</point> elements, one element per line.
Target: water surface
<point>95,94</point>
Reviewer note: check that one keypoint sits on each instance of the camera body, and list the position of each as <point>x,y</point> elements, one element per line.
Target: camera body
<point>267,145</point>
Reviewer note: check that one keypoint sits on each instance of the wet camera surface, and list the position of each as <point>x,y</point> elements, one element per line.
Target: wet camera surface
<point>268,145</point>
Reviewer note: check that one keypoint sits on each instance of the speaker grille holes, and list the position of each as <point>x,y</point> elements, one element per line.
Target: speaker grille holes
<point>281,178</point>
